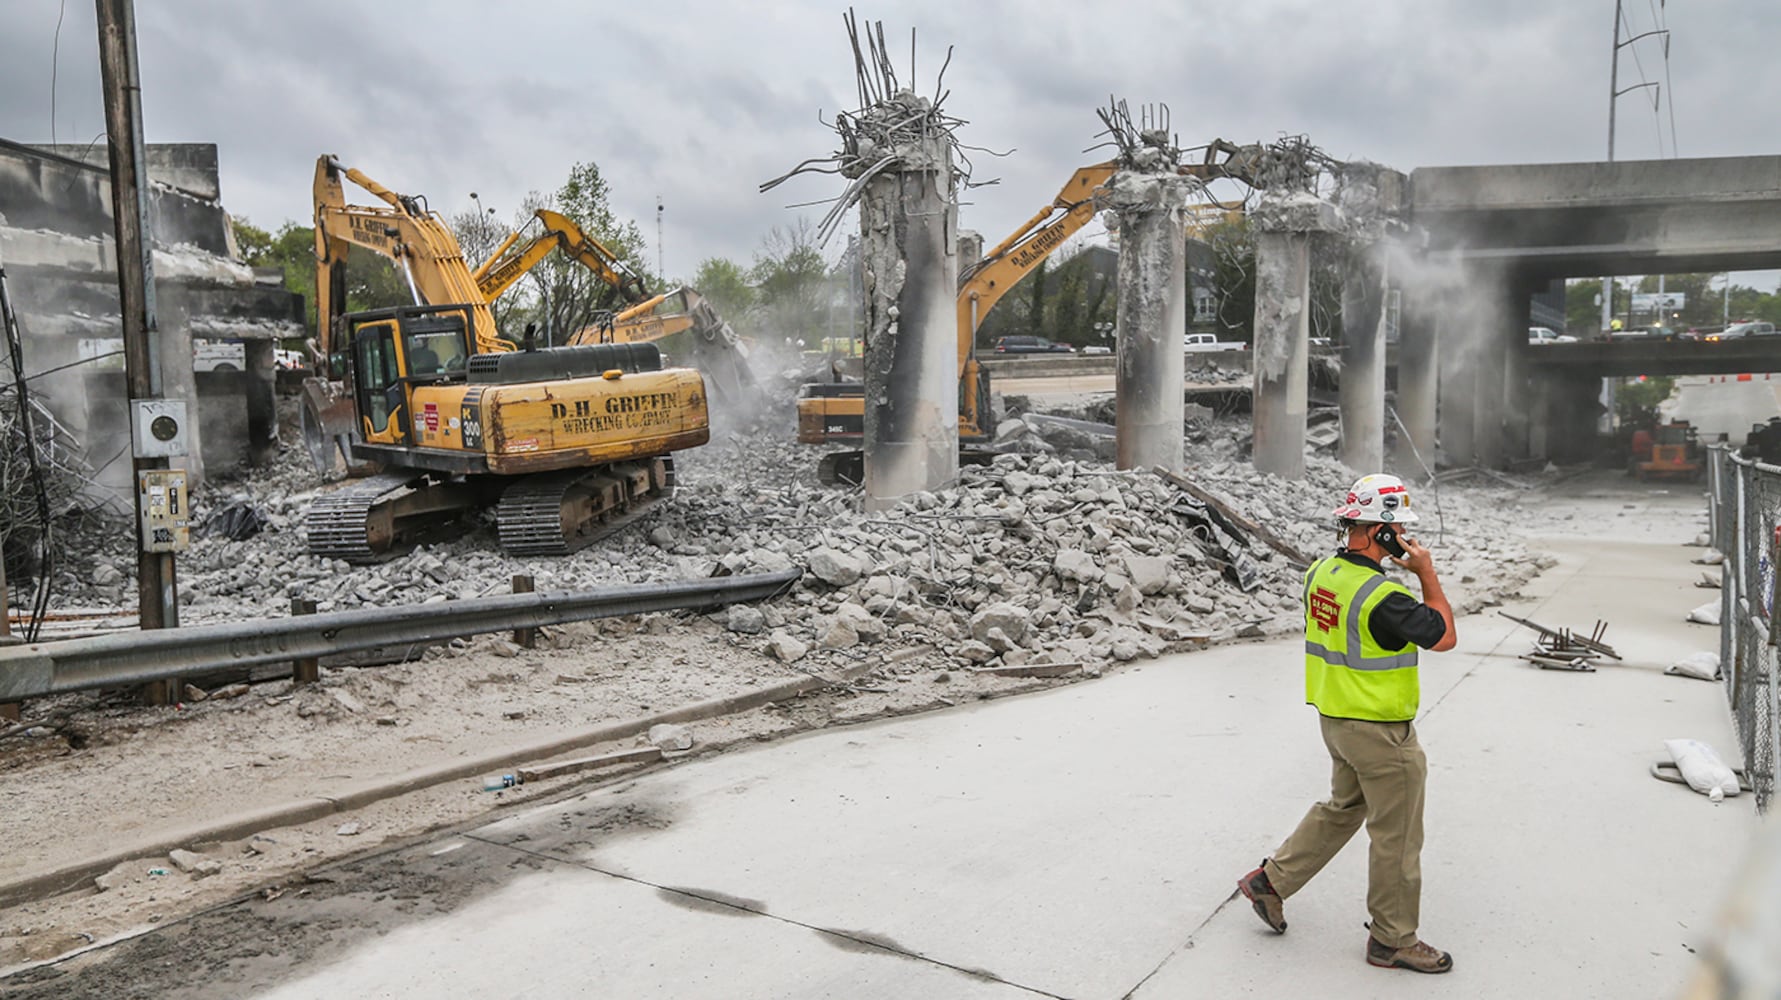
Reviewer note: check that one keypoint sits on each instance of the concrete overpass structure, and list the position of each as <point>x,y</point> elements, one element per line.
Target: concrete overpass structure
<point>1492,236</point>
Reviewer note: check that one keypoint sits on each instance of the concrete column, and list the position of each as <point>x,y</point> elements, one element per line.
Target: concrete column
<point>1458,387</point>
<point>1362,390</point>
<point>1490,371</point>
<point>1495,338</point>
<point>1282,341</point>
<point>1518,397</point>
<point>1152,315</point>
<point>907,243</point>
<point>1418,380</point>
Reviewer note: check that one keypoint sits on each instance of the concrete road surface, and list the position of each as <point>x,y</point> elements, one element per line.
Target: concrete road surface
<point>1082,842</point>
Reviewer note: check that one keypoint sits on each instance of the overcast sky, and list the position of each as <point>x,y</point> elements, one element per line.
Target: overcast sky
<point>701,102</point>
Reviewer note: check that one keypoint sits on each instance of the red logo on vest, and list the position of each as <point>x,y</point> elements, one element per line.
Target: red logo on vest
<point>1325,610</point>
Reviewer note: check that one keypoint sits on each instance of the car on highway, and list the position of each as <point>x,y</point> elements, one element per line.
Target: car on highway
<point>1024,344</point>
<point>1541,335</point>
<point>1738,331</point>
<point>1210,342</point>
<point>1096,351</point>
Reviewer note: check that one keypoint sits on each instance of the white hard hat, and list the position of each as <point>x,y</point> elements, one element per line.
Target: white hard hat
<point>1378,498</point>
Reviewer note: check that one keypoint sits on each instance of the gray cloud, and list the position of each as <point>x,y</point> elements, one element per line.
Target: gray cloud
<point>700,102</point>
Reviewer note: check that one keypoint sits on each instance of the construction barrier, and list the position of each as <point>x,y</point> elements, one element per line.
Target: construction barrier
<point>1745,505</point>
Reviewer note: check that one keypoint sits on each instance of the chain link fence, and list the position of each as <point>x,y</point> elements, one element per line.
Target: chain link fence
<point>1745,497</point>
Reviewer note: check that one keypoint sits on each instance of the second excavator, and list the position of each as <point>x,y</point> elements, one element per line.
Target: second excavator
<point>567,444</point>
<point>682,321</point>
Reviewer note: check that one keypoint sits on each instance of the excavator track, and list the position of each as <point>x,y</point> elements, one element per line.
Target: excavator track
<point>556,513</point>
<point>382,515</point>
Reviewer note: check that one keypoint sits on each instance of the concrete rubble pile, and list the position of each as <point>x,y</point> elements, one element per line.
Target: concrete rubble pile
<point>1032,559</point>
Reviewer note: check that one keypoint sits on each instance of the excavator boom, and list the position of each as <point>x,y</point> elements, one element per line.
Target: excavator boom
<point>507,264</point>
<point>416,239</point>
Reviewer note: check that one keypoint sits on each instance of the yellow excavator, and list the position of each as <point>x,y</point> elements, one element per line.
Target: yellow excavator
<point>680,320</point>
<point>832,412</point>
<point>567,444</point>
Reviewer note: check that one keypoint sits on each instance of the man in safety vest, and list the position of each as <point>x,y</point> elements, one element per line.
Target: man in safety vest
<point>1362,632</point>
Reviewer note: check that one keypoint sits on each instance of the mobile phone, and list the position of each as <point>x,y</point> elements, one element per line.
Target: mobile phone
<point>1388,540</point>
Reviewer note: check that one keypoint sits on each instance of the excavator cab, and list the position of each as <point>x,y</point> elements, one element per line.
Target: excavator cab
<point>396,350</point>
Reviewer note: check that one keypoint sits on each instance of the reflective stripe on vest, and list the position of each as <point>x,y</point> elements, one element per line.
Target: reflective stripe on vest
<point>1360,679</point>
<point>1352,658</point>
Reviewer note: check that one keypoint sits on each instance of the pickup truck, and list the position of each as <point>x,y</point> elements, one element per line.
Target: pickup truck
<point>1209,342</point>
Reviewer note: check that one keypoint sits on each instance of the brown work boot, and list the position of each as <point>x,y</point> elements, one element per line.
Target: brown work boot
<point>1419,957</point>
<point>1268,905</point>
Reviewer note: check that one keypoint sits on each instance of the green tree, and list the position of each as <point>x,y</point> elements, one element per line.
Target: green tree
<point>726,284</point>
<point>558,294</point>
<point>792,281</point>
<point>1583,315</point>
<point>371,279</point>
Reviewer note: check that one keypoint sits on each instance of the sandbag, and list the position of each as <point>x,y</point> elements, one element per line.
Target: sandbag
<point>1706,614</point>
<point>1701,767</point>
<point>1704,666</point>
<point>1711,557</point>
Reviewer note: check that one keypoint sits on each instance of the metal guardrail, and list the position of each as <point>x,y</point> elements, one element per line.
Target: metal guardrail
<point>46,668</point>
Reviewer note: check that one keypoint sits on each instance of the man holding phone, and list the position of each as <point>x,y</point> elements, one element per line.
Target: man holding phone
<point>1362,632</point>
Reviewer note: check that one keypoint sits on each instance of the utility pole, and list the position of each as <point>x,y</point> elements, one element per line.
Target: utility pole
<point>156,581</point>
<point>661,268</point>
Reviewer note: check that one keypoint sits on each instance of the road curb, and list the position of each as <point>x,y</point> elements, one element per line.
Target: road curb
<point>70,876</point>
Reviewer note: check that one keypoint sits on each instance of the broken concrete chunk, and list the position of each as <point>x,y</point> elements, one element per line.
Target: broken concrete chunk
<point>786,649</point>
<point>998,640</point>
<point>348,829</point>
<point>1150,574</point>
<point>668,736</point>
<point>976,652</point>
<point>864,622</point>
<point>1011,619</point>
<point>194,864</point>
<point>194,693</point>
<point>839,635</point>
<point>745,619</point>
<point>1075,564</point>
<point>1128,598</point>
<point>833,567</point>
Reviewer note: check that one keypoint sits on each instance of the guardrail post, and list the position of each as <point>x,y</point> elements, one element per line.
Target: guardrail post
<point>524,638</point>
<point>307,670</point>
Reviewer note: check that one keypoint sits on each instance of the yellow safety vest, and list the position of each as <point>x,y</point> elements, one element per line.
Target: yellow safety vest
<point>1348,675</point>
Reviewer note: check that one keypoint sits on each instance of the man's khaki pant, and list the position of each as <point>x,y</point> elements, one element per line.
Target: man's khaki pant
<point>1377,776</point>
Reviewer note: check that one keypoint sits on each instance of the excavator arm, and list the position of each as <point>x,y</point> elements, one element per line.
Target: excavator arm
<point>1018,255</point>
<point>403,230</point>
<point>510,262</point>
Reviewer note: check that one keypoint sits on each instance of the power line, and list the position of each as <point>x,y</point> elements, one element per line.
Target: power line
<point>55,53</point>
